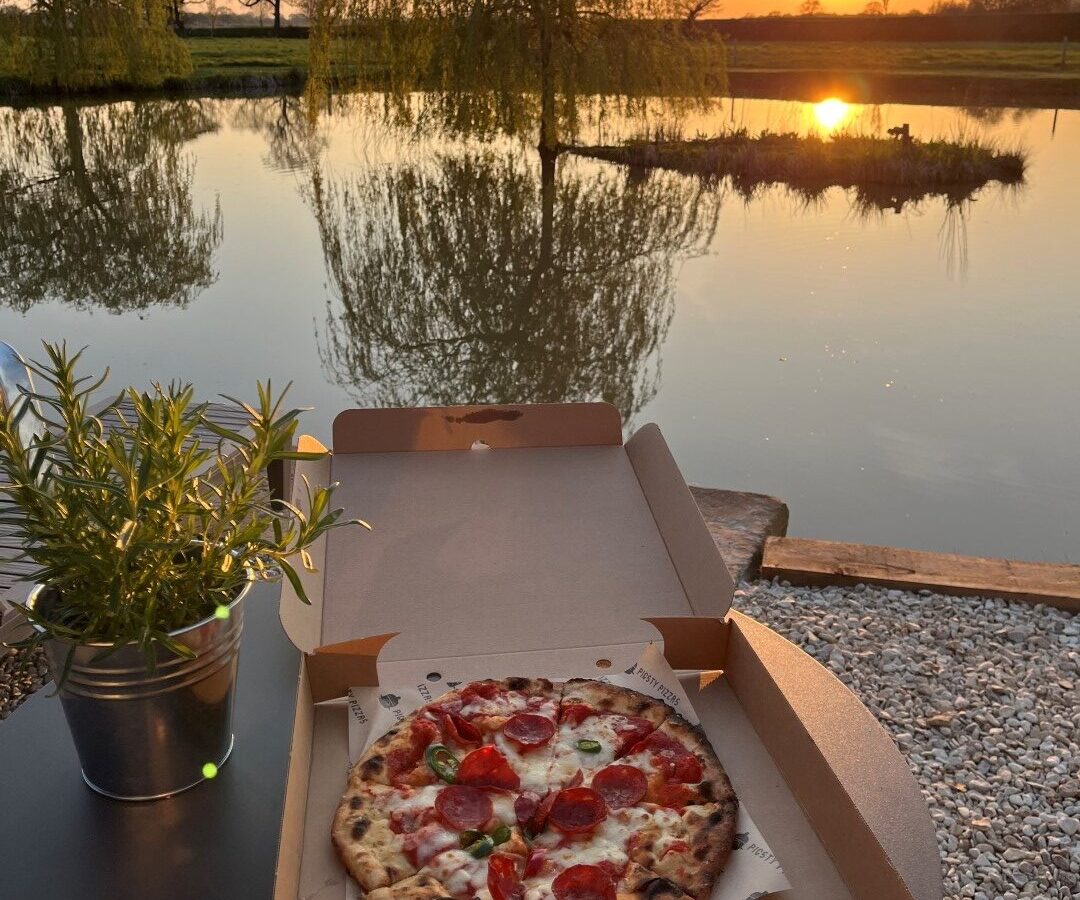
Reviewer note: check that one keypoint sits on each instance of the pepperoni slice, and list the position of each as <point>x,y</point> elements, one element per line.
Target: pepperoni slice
<point>674,795</point>
<point>459,729</point>
<point>525,806</point>
<point>620,786</point>
<point>538,821</point>
<point>688,769</point>
<point>502,880</point>
<point>577,809</point>
<point>462,807</point>
<point>529,729</point>
<point>535,862</point>
<point>631,731</point>
<point>576,713</point>
<point>583,883</point>
<point>672,758</point>
<point>400,762</point>
<point>487,767</point>
<point>486,690</point>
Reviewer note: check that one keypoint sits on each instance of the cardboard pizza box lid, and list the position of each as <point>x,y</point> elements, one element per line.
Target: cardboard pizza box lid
<point>555,542</point>
<point>500,529</point>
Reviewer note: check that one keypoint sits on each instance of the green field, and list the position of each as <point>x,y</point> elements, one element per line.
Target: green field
<point>925,59</point>
<point>226,63</point>
<point>222,56</point>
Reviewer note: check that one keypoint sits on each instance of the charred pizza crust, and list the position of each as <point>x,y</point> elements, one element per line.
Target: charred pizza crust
<point>684,780</point>
<point>364,840</point>
<point>638,883</point>
<point>618,701</point>
<point>417,887</point>
<point>710,833</point>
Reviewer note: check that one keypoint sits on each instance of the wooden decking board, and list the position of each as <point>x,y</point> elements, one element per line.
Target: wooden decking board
<point>810,562</point>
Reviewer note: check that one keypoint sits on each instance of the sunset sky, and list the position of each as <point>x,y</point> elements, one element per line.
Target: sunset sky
<point>732,9</point>
<point>736,8</point>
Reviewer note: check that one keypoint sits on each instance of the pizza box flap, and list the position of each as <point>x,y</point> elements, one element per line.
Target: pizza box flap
<point>695,643</point>
<point>501,529</point>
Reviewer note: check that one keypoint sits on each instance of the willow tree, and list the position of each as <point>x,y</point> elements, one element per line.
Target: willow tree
<point>96,206</point>
<point>72,44</point>
<point>470,279</point>
<point>517,60</point>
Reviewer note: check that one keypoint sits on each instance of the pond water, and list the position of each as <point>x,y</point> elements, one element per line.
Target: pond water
<point>903,375</point>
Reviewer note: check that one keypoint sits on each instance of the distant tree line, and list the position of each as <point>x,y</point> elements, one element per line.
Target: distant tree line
<point>213,14</point>
<point>960,7</point>
<point>945,7</point>
<point>950,20</point>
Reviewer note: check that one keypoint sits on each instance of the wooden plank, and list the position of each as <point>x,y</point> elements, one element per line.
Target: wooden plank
<point>809,562</point>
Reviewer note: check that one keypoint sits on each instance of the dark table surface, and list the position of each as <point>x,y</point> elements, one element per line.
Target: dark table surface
<point>59,839</point>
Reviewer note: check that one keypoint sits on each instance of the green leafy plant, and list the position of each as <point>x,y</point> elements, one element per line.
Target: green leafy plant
<point>147,526</point>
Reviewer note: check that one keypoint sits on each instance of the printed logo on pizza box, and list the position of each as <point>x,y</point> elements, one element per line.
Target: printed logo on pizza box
<point>356,709</point>
<point>655,686</point>
<point>759,850</point>
<point>389,701</point>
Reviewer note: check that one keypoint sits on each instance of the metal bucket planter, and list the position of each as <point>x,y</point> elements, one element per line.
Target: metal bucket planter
<point>140,736</point>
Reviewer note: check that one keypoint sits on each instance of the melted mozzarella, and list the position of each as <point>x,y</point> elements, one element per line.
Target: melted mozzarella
<point>459,872</point>
<point>504,807</point>
<point>568,759</point>
<point>642,760</point>
<point>510,702</point>
<point>411,799</point>
<point>531,765</point>
<point>431,841</point>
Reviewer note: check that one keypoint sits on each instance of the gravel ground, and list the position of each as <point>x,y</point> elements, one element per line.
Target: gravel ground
<point>980,695</point>
<point>18,682</point>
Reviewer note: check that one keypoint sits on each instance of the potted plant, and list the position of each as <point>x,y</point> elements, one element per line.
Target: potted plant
<point>145,538</point>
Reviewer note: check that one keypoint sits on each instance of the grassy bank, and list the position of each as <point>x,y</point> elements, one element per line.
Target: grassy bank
<point>998,59</point>
<point>885,171</point>
<point>949,74</point>
<point>220,55</point>
<point>796,68</point>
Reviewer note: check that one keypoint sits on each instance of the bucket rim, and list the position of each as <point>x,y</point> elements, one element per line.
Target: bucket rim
<point>40,588</point>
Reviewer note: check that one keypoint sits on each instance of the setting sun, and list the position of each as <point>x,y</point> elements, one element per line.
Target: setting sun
<point>831,113</point>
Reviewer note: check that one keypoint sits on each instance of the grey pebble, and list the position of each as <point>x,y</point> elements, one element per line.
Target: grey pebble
<point>1000,766</point>
<point>20,677</point>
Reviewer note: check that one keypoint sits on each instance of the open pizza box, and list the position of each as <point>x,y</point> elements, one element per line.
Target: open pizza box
<point>530,540</point>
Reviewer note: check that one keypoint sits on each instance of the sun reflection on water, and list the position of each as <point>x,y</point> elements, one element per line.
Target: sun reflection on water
<point>831,113</point>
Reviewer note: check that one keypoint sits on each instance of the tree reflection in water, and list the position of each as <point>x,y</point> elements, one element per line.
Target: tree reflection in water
<point>488,277</point>
<point>291,132</point>
<point>96,206</point>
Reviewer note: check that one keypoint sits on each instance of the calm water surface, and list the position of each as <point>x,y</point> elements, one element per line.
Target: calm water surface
<point>903,377</point>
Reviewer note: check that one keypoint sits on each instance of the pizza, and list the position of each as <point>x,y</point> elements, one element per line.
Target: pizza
<point>525,789</point>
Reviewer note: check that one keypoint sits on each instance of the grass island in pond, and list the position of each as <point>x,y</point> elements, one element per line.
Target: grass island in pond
<point>884,170</point>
